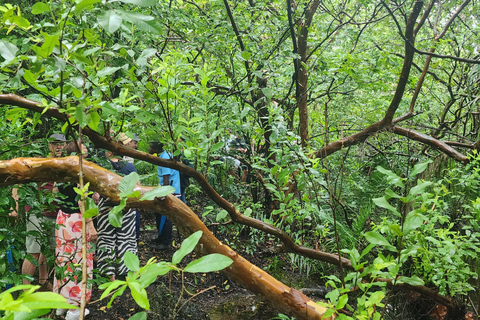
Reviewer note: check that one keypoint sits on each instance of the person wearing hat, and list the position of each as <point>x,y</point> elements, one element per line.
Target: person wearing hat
<point>44,223</point>
<point>129,142</point>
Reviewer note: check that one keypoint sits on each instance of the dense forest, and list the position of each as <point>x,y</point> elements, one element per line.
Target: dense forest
<point>356,129</point>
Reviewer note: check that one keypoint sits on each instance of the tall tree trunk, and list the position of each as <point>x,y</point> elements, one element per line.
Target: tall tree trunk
<point>302,73</point>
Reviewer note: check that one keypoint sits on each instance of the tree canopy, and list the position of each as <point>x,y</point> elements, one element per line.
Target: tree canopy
<point>323,92</point>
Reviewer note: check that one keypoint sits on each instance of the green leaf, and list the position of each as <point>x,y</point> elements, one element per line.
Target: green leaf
<point>246,55</point>
<point>392,178</point>
<point>396,229</point>
<point>107,71</point>
<point>91,209</point>
<point>420,188</point>
<point>139,295</point>
<point>209,263</point>
<point>128,183</point>
<point>43,302</point>
<point>419,168</point>
<point>142,22</point>
<point>115,216</point>
<point>40,7</point>
<point>94,120</point>
<point>412,222</point>
<point>117,293</point>
<point>131,261</point>
<point>342,301</point>
<point>139,316</point>
<point>51,40</point>
<point>110,21</point>
<point>151,272</point>
<point>83,4</point>
<point>141,3</point>
<point>7,50</point>
<point>160,191</point>
<point>217,146</point>
<point>413,281</point>
<point>147,53</point>
<point>110,286</point>
<point>187,246</point>
<point>383,203</point>
<point>377,239</point>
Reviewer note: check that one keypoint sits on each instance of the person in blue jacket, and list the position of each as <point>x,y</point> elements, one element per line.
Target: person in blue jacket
<point>166,176</point>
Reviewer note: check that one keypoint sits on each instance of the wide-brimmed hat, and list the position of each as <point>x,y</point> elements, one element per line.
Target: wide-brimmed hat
<point>58,137</point>
<point>123,138</point>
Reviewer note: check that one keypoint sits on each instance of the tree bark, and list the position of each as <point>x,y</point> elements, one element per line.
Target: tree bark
<point>286,299</point>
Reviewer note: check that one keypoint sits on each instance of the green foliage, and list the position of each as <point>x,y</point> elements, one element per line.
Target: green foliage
<point>30,304</point>
<point>141,277</point>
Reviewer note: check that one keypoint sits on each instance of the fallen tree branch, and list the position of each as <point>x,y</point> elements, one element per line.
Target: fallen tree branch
<point>286,299</point>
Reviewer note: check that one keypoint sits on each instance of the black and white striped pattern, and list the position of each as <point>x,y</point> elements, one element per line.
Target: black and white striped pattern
<point>114,242</point>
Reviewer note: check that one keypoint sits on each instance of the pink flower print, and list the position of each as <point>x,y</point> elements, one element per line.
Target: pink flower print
<point>74,292</point>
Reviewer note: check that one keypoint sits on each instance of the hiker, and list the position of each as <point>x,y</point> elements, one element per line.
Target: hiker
<point>44,223</point>
<point>114,242</point>
<point>69,244</point>
<point>166,177</point>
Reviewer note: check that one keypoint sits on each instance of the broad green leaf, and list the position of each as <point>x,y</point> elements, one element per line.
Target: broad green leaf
<point>383,203</point>
<point>396,229</point>
<point>246,55</point>
<point>107,71</point>
<point>209,263</point>
<point>139,295</point>
<point>131,261</point>
<point>94,120</point>
<point>419,168</point>
<point>376,238</point>
<point>115,216</point>
<point>147,53</point>
<point>413,281</point>
<point>412,222</point>
<point>342,301</point>
<point>110,286</point>
<point>30,77</point>
<point>160,191</point>
<point>110,20</point>
<point>82,4</point>
<point>41,301</point>
<point>151,272</point>
<point>139,316</point>
<point>51,40</point>
<point>420,188</point>
<point>392,178</point>
<point>7,50</point>
<point>128,183</point>
<point>187,246</point>
<point>217,146</point>
<point>40,7</point>
<point>91,209</point>
<point>82,117</point>
<point>142,22</point>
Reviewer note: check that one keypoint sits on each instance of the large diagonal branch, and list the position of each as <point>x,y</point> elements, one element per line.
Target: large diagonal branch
<point>432,142</point>
<point>285,298</point>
